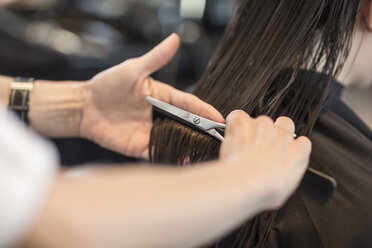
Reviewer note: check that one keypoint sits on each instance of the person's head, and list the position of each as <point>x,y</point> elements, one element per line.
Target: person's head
<point>255,68</point>
<point>256,64</point>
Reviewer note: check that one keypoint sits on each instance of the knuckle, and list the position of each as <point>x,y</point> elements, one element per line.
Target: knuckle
<point>234,129</point>
<point>185,102</point>
<point>265,120</point>
<point>239,114</point>
<point>235,118</point>
<point>304,143</point>
<point>194,98</point>
<point>284,135</point>
<point>286,120</point>
<point>236,122</point>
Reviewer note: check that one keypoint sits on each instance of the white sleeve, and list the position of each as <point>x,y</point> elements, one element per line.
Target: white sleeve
<point>28,165</point>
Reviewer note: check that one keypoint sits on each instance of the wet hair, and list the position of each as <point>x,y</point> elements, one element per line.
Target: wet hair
<point>255,69</point>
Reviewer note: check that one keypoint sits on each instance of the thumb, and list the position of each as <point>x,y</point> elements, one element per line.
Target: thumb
<point>236,122</point>
<point>160,56</point>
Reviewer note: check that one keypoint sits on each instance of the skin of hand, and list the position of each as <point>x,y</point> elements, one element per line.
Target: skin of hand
<point>115,114</point>
<point>109,109</point>
<point>277,161</point>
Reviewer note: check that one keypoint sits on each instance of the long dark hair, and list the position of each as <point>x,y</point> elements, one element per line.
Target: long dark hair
<point>255,69</point>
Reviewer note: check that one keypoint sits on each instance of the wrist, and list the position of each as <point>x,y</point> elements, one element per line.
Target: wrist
<point>56,108</point>
<point>5,83</point>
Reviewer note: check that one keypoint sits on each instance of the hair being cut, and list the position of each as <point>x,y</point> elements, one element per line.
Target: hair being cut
<point>255,69</point>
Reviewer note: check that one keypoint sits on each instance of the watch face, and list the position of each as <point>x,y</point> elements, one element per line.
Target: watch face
<point>20,91</point>
<point>24,79</point>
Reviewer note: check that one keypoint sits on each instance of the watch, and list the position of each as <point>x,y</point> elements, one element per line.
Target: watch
<point>20,93</point>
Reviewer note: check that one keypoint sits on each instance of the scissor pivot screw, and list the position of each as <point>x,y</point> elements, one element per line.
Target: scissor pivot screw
<point>197,120</point>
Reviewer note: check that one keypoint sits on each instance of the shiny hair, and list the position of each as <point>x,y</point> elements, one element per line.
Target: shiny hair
<point>255,68</point>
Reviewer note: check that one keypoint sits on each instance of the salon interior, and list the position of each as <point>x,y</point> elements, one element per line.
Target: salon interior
<point>76,39</point>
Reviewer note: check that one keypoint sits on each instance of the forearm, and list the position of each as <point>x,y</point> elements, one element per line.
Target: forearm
<point>146,207</point>
<point>56,108</point>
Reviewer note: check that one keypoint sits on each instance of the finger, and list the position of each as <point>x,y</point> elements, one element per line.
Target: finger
<point>237,133</point>
<point>194,105</point>
<point>240,126</point>
<point>286,124</point>
<point>301,155</point>
<point>186,101</point>
<point>266,132</point>
<point>303,145</point>
<point>265,120</point>
<point>236,116</point>
<point>159,56</point>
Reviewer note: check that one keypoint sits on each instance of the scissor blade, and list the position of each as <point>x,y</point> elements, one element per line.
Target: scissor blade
<point>192,120</point>
<point>172,110</point>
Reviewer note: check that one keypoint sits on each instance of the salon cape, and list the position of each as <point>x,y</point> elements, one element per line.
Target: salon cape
<point>28,165</point>
<point>342,148</point>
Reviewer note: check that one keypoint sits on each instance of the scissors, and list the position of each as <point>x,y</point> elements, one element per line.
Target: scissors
<point>205,125</point>
<point>322,186</point>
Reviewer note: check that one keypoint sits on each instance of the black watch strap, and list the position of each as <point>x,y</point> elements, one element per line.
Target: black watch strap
<point>20,93</point>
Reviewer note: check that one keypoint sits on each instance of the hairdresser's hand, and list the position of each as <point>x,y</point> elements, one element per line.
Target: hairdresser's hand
<point>115,113</point>
<point>267,154</point>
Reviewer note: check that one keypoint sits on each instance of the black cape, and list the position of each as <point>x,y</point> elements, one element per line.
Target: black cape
<point>342,148</point>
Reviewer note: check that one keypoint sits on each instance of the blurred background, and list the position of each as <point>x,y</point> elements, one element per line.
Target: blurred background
<point>75,39</point>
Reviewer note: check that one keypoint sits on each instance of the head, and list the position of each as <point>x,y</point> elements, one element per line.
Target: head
<point>262,41</point>
<point>255,69</point>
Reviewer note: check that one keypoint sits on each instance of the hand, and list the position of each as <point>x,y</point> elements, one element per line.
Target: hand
<point>279,161</point>
<point>115,113</point>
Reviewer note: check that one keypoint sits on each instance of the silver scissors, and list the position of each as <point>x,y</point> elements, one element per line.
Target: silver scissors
<point>210,127</point>
<point>324,185</point>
